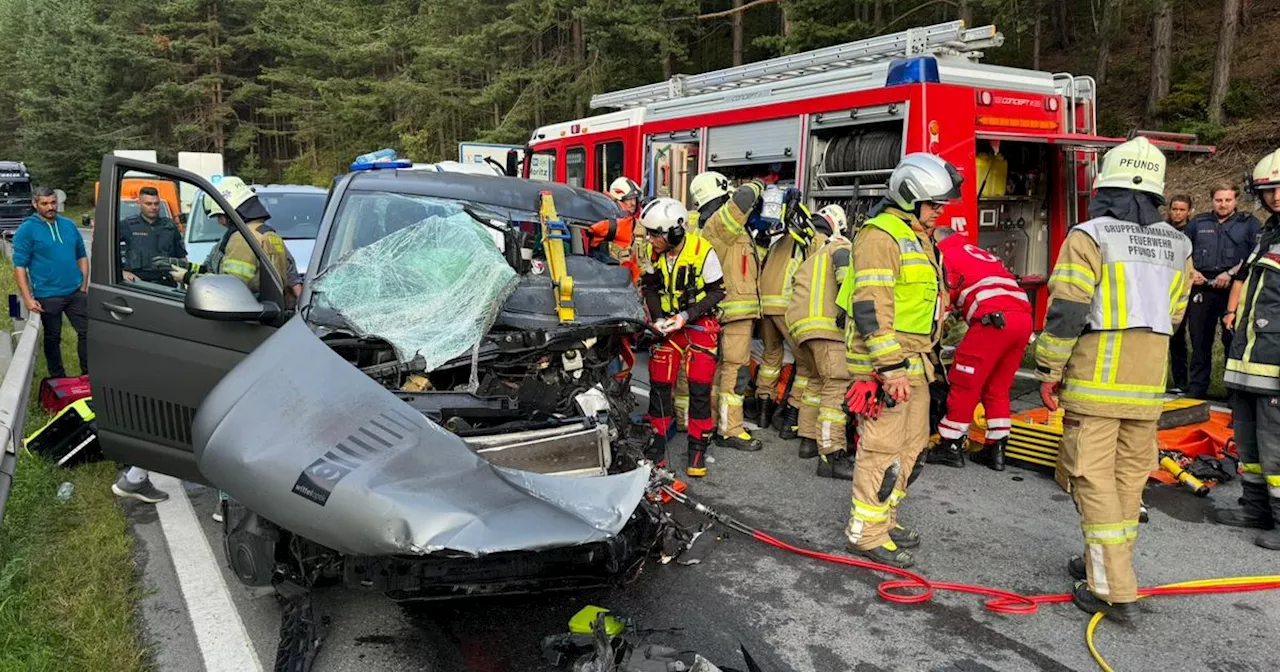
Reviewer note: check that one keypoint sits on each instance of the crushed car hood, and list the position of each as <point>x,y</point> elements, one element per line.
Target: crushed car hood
<point>301,437</point>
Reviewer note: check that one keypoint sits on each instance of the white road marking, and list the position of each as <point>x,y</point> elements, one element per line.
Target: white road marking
<point>220,634</point>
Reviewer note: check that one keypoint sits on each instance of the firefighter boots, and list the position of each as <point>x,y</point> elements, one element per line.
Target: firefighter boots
<point>1075,567</point>
<point>949,453</point>
<point>656,451</point>
<point>888,554</point>
<point>744,442</point>
<point>992,454</point>
<point>1271,538</point>
<point>1255,510</point>
<point>765,408</point>
<point>1123,612</point>
<point>904,537</point>
<point>697,458</point>
<point>808,448</point>
<point>838,465</point>
<point>790,427</point>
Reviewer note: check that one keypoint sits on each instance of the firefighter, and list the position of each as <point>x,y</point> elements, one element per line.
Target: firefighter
<point>1253,368</point>
<point>815,327</point>
<point>803,234</point>
<point>232,255</point>
<point>723,217</point>
<point>613,239</point>
<point>893,296</point>
<point>682,286</point>
<point>1117,292</point>
<point>996,316</point>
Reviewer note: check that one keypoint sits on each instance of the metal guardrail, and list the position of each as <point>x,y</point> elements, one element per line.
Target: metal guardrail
<point>15,392</point>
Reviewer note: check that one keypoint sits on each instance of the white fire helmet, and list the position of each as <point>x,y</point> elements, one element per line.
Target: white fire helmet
<point>707,187</point>
<point>1137,165</point>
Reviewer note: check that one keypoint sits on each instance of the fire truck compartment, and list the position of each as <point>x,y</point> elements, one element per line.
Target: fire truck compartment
<point>743,151</point>
<point>1014,201</point>
<point>851,154</point>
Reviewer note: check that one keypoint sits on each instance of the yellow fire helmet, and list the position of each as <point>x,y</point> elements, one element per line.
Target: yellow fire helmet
<point>1136,164</point>
<point>239,196</point>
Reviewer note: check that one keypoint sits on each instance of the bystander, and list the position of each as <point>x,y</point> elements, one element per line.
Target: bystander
<point>1179,213</point>
<point>1220,239</point>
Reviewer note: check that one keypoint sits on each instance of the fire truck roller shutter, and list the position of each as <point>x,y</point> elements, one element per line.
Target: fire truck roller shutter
<point>773,141</point>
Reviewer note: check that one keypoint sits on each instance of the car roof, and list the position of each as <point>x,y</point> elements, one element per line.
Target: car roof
<point>287,189</point>
<point>511,193</point>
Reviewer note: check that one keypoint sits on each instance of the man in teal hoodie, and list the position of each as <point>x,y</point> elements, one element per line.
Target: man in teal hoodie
<point>52,269</point>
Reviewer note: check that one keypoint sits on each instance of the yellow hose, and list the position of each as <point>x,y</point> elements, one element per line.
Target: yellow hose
<point>1202,583</point>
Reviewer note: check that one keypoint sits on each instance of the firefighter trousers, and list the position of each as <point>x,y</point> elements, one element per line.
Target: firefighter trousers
<point>692,350</point>
<point>1256,419</point>
<point>822,413</point>
<point>733,376</point>
<point>1105,463</point>
<point>895,438</point>
<point>773,331</point>
<point>986,362</point>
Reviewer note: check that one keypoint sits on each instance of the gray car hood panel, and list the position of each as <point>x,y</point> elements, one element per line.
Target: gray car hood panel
<point>303,438</point>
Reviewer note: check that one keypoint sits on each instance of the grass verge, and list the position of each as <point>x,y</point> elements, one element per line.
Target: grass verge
<point>68,584</point>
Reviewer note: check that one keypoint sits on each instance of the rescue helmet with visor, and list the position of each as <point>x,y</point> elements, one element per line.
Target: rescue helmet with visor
<point>922,177</point>
<point>665,217</point>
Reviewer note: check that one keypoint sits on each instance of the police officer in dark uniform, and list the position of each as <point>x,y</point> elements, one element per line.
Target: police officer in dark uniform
<point>148,235</point>
<point>1220,241</point>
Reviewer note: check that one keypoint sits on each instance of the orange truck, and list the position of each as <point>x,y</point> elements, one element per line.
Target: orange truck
<point>170,206</point>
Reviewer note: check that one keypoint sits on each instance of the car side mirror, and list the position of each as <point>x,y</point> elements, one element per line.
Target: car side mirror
<point>226,299</point>
<point>85,221</point>
<point>182,217</point>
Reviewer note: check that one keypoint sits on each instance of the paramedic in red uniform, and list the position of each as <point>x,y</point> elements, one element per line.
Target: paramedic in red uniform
<point>682,285</point>
<point>995,309</point>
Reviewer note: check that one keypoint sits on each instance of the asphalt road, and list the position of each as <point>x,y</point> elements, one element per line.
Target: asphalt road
<point>1013,529</point>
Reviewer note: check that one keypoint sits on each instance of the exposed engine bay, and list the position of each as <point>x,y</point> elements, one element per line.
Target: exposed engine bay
<point>448,434</point>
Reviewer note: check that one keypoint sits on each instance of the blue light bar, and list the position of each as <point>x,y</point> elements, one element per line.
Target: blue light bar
<point>383,159</point>
<point>914,70</point>
<point>383,165</point>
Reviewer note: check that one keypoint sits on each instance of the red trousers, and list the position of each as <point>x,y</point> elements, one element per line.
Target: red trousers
<point>986,361</point>
<point>693,349</point>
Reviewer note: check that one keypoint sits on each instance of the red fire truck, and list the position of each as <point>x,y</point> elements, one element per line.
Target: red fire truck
<point>835,121</point>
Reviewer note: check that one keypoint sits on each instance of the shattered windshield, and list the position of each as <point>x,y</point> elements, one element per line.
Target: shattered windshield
<point>421,273</point>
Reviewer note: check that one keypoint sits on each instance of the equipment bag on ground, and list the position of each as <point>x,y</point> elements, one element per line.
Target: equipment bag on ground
<point>57,393</point>
<point>70,438</point>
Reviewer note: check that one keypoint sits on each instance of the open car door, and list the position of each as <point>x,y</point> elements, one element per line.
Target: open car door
<point>157,348</point>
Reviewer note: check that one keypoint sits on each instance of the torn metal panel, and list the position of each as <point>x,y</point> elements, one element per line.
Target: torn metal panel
<point>301,437</point>
<point>431,289</point>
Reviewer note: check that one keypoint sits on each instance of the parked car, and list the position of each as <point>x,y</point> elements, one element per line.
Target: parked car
<point>295,214</point>
<point>424,423</point>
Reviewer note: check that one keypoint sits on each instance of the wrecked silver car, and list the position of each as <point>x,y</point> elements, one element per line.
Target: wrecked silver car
<point>426,423</point>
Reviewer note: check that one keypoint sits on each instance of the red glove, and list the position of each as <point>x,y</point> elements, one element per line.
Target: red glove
<point>1049,395</point>
<point>862,399</point>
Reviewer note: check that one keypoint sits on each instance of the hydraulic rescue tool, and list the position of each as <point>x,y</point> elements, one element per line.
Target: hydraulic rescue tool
<point>555,236</point>
<point>1169,462</point>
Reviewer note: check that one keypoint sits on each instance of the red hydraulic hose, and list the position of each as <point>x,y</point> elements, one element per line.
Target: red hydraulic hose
<point>913,588</point>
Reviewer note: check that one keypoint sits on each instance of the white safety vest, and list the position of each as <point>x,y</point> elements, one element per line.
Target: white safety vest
<point>1141,274</point>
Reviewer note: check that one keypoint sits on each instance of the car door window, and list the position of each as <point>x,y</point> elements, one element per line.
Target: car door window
<point>153,255</point>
